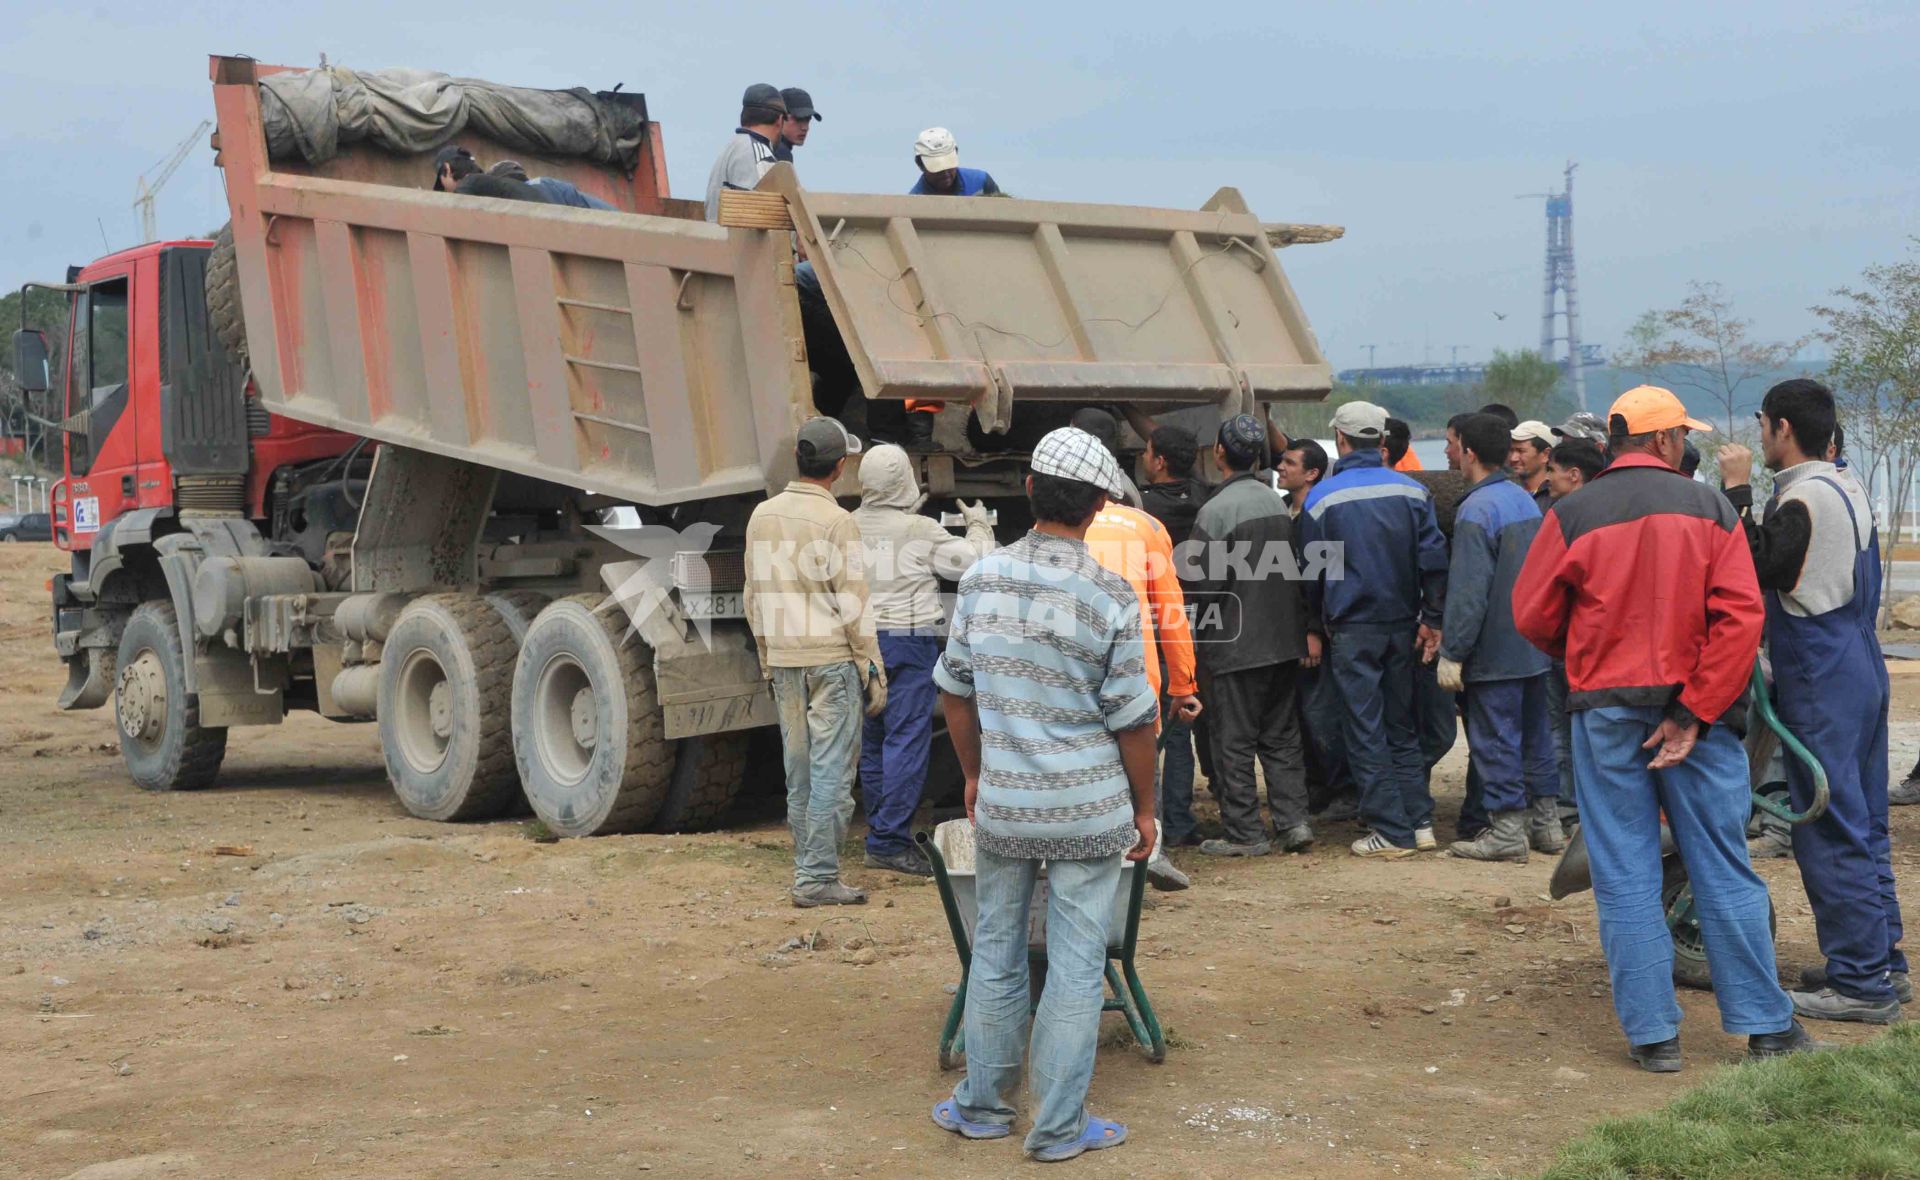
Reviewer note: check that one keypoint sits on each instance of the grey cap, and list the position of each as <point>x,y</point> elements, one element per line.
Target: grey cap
<point>800,103</point>
<point>760,94</point>
<point>1585,425</point>
<point>1360,420</point>
<point>826,439</point>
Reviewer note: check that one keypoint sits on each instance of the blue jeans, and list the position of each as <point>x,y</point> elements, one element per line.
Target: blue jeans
<point>1066,1025</point>
<point>1175,788</point>
<point>1373,671</point>
<point>1562,723</point>
<point>893,746</point>
<point>820,713</point>
<point>1509,741</point>
<point>1706,800</point>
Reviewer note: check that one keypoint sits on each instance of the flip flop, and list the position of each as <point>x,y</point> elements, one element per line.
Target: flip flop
<point>1100,1133</point>
<point>947,1116</point>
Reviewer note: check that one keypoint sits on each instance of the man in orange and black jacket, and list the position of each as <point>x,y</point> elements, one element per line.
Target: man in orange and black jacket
<point>1642,582</point>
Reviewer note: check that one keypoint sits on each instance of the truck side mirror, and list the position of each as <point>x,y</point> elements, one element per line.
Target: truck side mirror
<point>30,360</point>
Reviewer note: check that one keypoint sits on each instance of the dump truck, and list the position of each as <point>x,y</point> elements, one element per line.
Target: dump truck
<point>366,468</point>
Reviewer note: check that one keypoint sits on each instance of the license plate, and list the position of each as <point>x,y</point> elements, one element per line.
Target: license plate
<point>710,605</point>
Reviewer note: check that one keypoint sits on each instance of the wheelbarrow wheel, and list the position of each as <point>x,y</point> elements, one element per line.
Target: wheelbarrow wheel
<point>1683,922</point>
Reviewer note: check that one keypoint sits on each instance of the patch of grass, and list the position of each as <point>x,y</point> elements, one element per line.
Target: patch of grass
<point>1844,1114</point>
<point>538,832</point>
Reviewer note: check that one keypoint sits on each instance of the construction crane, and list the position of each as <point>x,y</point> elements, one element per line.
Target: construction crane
<point>161,173</point>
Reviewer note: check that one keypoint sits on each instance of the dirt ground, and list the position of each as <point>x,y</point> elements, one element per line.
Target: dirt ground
<point>287,976</point>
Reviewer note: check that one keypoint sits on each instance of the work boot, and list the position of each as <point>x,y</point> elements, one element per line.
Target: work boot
<point>1544,832</point>
<point>1342,808</point>
<point>1658,1057</point>
<point>1297,838</point>
<point>1373,844</point>
<point>1814,978</point>
<point>1827,1004</point>
<point>1908,792</point>
<point>1163,875</point>
<point>1505,839</point>
<point>910,860</point>
<point>827,893</point>
<point>1795,1039</point>
<point>1424,840</point>
<point>1229,848</point>
<point>919,430</point>
<point>1771,844</point>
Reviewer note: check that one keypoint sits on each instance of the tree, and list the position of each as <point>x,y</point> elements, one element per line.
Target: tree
<point>1522,380</point>
<point>1703,345</point>
<point>1873,333</point>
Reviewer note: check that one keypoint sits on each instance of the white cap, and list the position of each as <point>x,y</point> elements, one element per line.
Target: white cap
<point>1534,430</point>
<point>936,150</point>
<point>1360,420</point>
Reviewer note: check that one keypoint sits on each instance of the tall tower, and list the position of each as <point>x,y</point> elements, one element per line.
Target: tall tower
<point>1560,278</point>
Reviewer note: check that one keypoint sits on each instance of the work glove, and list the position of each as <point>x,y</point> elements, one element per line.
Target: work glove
<point>876,690</point>
<point>1448,673</point>
<point>974,513</point>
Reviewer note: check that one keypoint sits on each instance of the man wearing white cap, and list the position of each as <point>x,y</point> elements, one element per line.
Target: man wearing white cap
<point>940,171</point>
<point>1044,685</point>
<point>1532,443</point>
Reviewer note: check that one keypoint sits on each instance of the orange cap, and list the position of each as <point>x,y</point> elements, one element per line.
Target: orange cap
<point>1647,408</point>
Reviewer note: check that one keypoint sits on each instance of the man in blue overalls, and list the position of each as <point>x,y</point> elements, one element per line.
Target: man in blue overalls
<point>1818,557</point>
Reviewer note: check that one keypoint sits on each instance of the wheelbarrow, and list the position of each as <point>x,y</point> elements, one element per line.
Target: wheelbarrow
<point>1574,874</point>
<point>1125,993</point>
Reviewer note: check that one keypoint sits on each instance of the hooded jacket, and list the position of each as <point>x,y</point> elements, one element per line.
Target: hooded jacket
<point>906,552</point>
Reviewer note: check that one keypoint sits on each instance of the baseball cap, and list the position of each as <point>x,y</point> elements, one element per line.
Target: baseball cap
<point>448,155</point>
<point>1585,425</point>
<point>824,438</point>
<point>1647,408</point>
<point>936,150</point>
<point>760,94</point>
<point>800,103</point>
<point>1070,453</point>
<point>1533,430</point>
<point>1241,437</point>
<point>511,169</point>
<point>1360,420</point>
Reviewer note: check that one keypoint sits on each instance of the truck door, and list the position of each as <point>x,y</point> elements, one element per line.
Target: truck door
<point>102,450</point>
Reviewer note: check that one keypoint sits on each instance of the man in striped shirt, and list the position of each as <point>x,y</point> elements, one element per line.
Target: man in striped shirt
<point>1044,684</point>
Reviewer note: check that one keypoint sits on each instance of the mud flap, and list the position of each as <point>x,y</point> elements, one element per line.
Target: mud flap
<point>89,678</point>
<point>708,674</point>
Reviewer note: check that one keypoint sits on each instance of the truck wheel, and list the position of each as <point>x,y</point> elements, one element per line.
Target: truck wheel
<point>161,739</point>
<point>586,721</point>
<point>1683,922</point>
<point>446,680</point>
<point>708,772</point>
<point>223,295</point>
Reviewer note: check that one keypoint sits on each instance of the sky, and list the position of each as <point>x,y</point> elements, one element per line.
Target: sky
<point>1768,146</point>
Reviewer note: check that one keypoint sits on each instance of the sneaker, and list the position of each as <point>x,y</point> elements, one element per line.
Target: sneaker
<point>827,893</point>
<point>1373,844</point>
<point>1794,1039</point>
<point>1424,840</point>
<point>1297,838</point>
<point>911,861</point>
<point>1907,793</point>
<point>1229,848</point>
<point>1814,978</point>
<point>1544,833</point>
<point>1827,1004</point>
<point>1658,1057</point>
<point>1164,876</point>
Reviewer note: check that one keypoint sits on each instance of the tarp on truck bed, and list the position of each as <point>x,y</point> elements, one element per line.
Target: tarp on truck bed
<point>309,115</point>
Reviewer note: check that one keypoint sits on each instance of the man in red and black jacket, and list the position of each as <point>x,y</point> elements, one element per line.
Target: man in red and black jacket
<point>1642,582</point>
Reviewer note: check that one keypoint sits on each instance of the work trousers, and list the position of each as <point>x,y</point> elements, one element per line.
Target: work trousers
<point>1255,719</point>
<point>1705,800</point>
<point>1373,671</point>
<point>820,711</point>
<point>1509,741</point>
<point>1066,1025</point>
<point>1328,777</point>
<point>1437,717</point>
<point>893,746</point>
<point>1175,784</point>
<point>1562,723</point>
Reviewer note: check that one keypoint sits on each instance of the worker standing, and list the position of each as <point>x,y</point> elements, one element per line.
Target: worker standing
<point>1504,677</point>
<point>907,554</point>
<point>1574,463</point>
<point>938,158</point>
<point>1532,441</point>
<point>1173,497</point>
<point>1330,793</point>
<point>1045,690</point>
<point>1817,555</point>
<point>806,600</point>
<point>1369,621</point>
<point>1643,583</point>
<point>1400,454</point>
<point>749,153</point>
<point>795,124</point>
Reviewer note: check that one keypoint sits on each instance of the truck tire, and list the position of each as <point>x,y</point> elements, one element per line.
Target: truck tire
<point>708,773</point>
<point>161,739</point>
<point>586,721</point>
<point>446,681</point>
<point>1689,946</point>
<point>517,608</point>
<point>223,296</point>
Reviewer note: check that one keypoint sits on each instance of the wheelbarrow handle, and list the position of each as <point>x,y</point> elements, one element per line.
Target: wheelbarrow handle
<point>1763,700</point>
<point>947,902</point>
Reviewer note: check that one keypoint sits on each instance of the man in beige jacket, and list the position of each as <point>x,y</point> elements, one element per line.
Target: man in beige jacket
<point>806,600</point>
<point>907,556</point>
